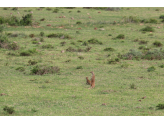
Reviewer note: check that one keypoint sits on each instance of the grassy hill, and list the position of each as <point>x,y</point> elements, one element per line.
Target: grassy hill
<point>123,46</point>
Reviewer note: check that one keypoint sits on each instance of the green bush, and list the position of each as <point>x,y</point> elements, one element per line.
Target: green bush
<point>151,69</point>
<point>133,86</point>
<point>28,52</point>
<point>79,67</point>
<point>143,42</point>
<point>41,70</point>
<point>42,19</point>
<point>85,43</point>
<point>41,33</point>
<point>47,46</point>
<point>81,57</point>
<point>130,19</point>
<point>59,35</point>
<point>109,49</point>
<point>78,22</point>
<point>32,62</point>
<point>121,36</point>
<point>147,29</point>
<point>21,69</point>
<point>78,11</point>
<point>155,54</point>
<point>113,61</point>
<point>2,20</point>
<point>31,35</point>
<point>48,8</point>
<point>56,10</point>
<point>63,43</point>
<point>132,54</point>
<point>161,66</point>
<point>13,46</point>
<point>161,17</point>
<point>35,42</point>
<point>94,41</point>
<point>160,106</point>
<point>157,44</point>
<point>26,20</point>
<point>109,34</point>
<point>1,28</point>
<point>9,110</point>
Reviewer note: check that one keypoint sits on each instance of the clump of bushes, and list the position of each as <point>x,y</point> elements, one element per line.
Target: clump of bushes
<point>9,110</point>
<point>31,35</point>
<point>32,62</point>
<point>130,19</point>
<point>48,8</point>
<point>78,22</point>
<point>94,41</point>
<point>109,49</point>
<point>47,46</point>
<point>113,61</point>
<point>56,10</point>
<point>133,86</point>
<point>81,57</point>
<point>157,44</point>
<point>143,42</point>
<point>155,54</point>
<point>21,69</point>
<point>63,43</point>
<point>121,36</point>
<point>160,106</point>
<point>59,35</point>
<point>132,54</point>
<point>41,70</point>
<point>85,43</point>
<point>161,17</point>
<point>79,67</point>
<point>151,69</point>
<point>41,33</point>
<point>28,52</point>
<point>161,66</point>
<point>147,29</point>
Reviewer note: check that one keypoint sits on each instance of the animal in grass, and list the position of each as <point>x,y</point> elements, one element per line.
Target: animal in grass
<point>88,81</point>
<point>92,80</point>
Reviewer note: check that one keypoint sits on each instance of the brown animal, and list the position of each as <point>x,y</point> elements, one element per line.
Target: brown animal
<point>88,81</point>
<point>92,80</point>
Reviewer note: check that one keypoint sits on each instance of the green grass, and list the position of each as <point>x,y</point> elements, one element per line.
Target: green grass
<point>66,93</point>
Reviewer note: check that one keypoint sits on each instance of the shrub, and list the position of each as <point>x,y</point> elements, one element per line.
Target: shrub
<point>70,49</point>
<point>113,61</point>
<point>47,46</point>
<point>157,44</point>
<point>130,19</point>
<point>30,62</point>
<point>41,33</point>
<point>77,32</point>
<point>14,8</point>
<point>5,8</point>
<point>28,52</point>
<point>56,10</point>
<point>21,69</point>
<point>41,39</point>
<point>31,35</point>
<point>151,69</point>
<point>147,29</point>
<point>161,17</point>
<point>79,67</point>
<point>132,54</point>
<point>2,20</point>
<point>155,54</point>
<point>161,66</point>
<point>63,43</point>
<point>42,19</point>
<point>35,42</point>
<point>9,110</point>
<point>81,57</point>
<point>88,49</point>
<point>78,22</point>
<point>160,106</point>
<point>73,43</point>
<point>59,35</point>
<point>133,86</point>
<point>41,70</point>
<point>94,41</point>
<point>121,36</point>
<point>78,11</point>
<point>109,49</point>
<point>152,20</point>
<point>26,20</point>
<point>48,8</point>
<point>85,43</point>
<point>143,42</point>
<point>110,35</point>
<point>13,46</point>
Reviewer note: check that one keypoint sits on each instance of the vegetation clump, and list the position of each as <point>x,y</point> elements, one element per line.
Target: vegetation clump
<point>133,86</point>
<point>79,67</point>
<point>121,36</point>
<point>109,49</point>
<point>9,110</point>
<point>47,46</point>
<point>41,70</point>
<point>59,35</point>
<point>28,52</point>
<point>157,44</point>
<point>94,41</point>
<point>21,69</point>
<point>151,69</point>
<point>113,61</point>
<point>78,22</point>
<point>147,29</point>
<point>160,106</point>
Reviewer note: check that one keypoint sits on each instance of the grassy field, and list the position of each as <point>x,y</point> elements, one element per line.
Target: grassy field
<point>120,85</point>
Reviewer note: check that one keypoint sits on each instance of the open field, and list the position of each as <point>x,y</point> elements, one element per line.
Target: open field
<point>126,84</point>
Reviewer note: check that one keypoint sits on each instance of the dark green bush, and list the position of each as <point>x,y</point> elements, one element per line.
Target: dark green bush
<point>9,110</point>
<point>15,8</point>
<point>31,35</point>
<point>78,11</point>
<point>2,20</point>
<point>28,52</point>
<point>1,28</point>
<point>152,20</point>
<point>161,17</point>
<point>21,69</point>
<point>48,8</point>
<point>155,54</point>
<point>143,42</point>
<point>151,69</point>
<point>35,42</point>
<point>47,46</point>
<point>5,8</point>
<point>41,70</point>
<point>56,10</point>
<point>26,20</point>
<point>113,61</point>
<point>160,106</point>
<point>109,49</point>
<point>81,57</point>
<point>133,86</point>
<point>79,67</point>
<point>63,43</point>
<point>110,35</point>
<point>130,19</point>
<point>132,54</point>
<point>147,29</point>
<point>157,44</point>
<point>161,66</point>
<point>42,19</point>
<point>41,33</point>
<point>32,62</point>
<point>13,46</point>
<point>59,35</point>
<point>94,41</point>
<point>78,22</point>
<point>85,43</point>
<point>121,36</point>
